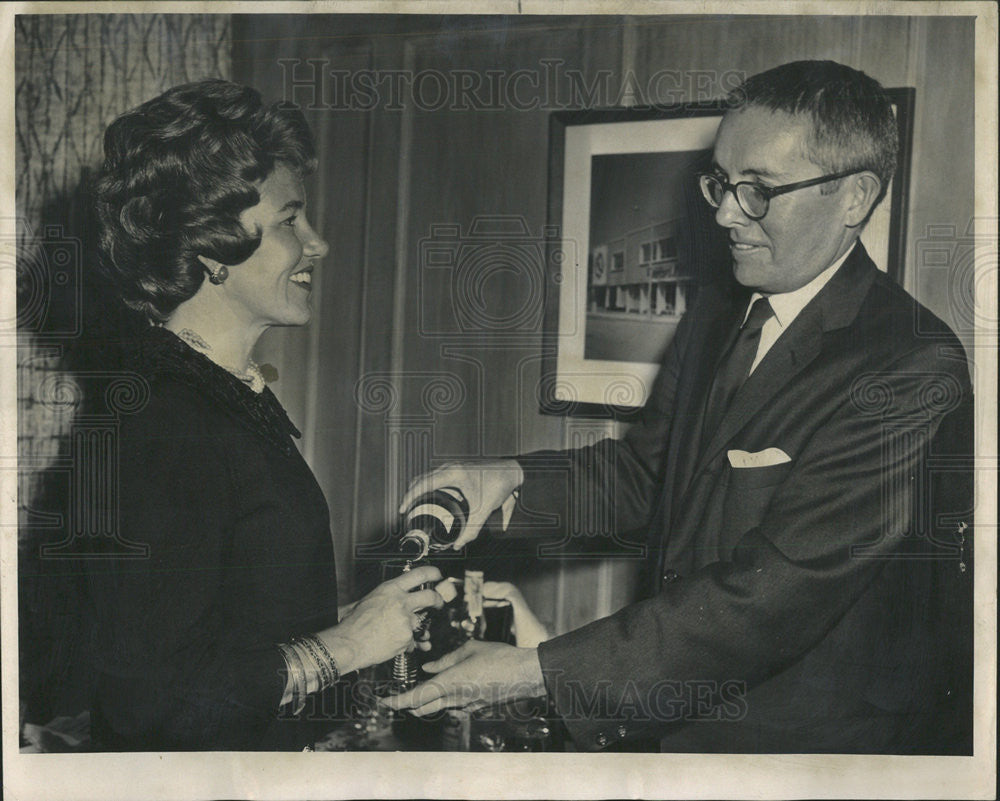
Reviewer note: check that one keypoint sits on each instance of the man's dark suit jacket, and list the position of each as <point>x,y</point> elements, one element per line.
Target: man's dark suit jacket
<point>815,605</point>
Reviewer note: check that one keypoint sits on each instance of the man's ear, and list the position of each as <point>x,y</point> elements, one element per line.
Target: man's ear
<point>862,191</point>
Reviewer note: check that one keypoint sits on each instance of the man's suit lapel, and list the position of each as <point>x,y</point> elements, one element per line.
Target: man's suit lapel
<point>717,333</point>
<point>789,355</point>
<point>834,307</point>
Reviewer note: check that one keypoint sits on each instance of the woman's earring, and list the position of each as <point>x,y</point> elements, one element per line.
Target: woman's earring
<point>219,276</point>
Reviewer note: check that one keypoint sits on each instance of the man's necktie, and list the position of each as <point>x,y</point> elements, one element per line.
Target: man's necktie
<point>735,366</point>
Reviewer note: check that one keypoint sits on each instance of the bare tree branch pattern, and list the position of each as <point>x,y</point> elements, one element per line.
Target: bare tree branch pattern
<point>73,75</point>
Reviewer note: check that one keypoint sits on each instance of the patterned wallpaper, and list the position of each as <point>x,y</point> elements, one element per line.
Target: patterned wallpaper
<point>73,75</point>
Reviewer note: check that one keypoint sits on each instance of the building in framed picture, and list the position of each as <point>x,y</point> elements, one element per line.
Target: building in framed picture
<point>640,285</point>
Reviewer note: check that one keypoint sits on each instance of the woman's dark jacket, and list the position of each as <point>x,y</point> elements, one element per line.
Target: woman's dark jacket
<point>237,558</point>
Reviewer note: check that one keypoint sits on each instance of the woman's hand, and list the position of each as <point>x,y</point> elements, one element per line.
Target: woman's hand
<point>485,484</point>
<point>343,610</point>
<point>382,624</point>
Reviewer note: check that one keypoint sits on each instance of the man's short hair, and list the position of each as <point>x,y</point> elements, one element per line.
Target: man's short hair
<point>178,172</point>
<point>853,125</point>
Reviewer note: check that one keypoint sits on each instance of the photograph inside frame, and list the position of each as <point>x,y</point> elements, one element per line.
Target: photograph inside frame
<point>621,397</point>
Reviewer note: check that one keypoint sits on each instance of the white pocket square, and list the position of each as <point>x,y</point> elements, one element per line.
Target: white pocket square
<point>764,458</point>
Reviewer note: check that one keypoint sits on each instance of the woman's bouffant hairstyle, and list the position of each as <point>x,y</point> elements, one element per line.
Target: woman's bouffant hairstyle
<point>178,171</point>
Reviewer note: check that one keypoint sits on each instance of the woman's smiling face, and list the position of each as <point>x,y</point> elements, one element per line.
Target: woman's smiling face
<point>273,286</point>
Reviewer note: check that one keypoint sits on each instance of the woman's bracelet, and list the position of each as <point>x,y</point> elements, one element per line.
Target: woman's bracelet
<point>297,653</point>
<point>321,657</point>
<point>330,661</point>
<point>297,675</point>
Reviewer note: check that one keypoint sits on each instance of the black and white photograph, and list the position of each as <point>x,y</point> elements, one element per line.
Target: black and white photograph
<point>474,401</point>
<point>651,241</point>
<point>639,270</point>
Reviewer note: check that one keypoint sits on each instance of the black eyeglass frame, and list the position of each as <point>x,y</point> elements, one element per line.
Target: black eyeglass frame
<point>767,192</point>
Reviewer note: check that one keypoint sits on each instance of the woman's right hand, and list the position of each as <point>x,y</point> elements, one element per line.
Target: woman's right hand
<point>382,623</point>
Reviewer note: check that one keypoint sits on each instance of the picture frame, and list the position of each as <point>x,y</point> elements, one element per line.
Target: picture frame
<point>623,197</point>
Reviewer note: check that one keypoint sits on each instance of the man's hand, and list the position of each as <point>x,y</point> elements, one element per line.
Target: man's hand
<point>476,675</point>
<point>485,485</point>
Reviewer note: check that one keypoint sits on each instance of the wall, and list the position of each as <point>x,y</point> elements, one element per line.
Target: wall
<point>75,74</point>
<point>437,386</point>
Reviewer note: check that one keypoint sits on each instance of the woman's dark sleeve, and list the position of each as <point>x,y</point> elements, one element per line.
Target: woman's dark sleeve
<point>174,672</point>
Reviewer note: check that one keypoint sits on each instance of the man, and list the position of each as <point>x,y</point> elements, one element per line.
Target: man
<point>812,592</point>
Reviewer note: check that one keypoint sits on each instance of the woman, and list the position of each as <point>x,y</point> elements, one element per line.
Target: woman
<point>218,637</point>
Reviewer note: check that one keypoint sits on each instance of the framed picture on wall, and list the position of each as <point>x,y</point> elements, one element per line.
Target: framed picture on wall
<point>624,196</point>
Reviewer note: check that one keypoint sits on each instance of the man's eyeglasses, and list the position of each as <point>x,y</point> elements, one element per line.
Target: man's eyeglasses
<point>754,198</point>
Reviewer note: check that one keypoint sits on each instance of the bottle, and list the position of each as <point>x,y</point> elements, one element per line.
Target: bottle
<point>474,621</point>
<point>433,522</point>
<point>406,727</point>
<point>457,728</point>
<point>404,665</point>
